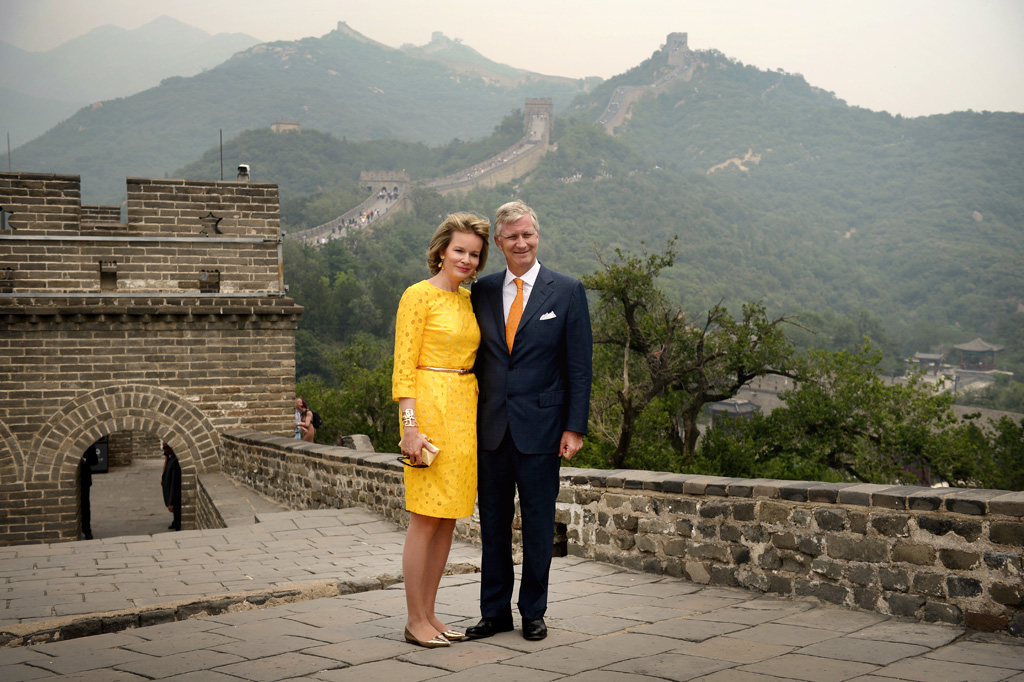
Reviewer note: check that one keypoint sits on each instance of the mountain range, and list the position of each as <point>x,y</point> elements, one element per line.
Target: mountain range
<point>342,83</point>
<point>39,89</point>
<point>776,189</point>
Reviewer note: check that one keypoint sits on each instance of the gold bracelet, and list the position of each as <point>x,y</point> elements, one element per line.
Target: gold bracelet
<point>409,418</point>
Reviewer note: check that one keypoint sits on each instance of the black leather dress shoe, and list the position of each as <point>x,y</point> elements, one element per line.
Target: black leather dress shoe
<point>534,629</point>
<point>488,627</point>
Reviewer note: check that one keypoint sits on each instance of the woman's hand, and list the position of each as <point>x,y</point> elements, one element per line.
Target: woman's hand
<point>412,444</point>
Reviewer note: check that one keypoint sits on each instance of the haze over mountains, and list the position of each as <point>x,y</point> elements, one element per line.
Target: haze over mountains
<point>778,190</point>
<point>342,83</point>
<point>39,89</point>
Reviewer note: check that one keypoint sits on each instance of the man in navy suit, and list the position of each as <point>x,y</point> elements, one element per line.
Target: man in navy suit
<point>533,369</point>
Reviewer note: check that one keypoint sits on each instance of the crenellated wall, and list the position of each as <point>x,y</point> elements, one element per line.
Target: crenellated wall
<point>939,555</point>
<point>171,326</point>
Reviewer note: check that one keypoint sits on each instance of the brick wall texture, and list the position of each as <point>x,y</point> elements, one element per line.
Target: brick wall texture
<point>152,350</point>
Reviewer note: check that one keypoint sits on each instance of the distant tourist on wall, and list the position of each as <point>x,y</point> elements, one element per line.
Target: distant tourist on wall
<point>170,480</point>
<point>305,430</point>
<point>89,459</point>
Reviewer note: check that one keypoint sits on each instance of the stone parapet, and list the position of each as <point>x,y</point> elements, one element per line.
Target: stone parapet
<point>934,554</point>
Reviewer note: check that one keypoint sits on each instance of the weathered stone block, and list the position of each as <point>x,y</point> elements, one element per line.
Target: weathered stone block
<point>627,522</point>
<point>647,544</point>
<point>866,597</point>
<point>676,547</point>
<point>958,586</point>
<point>795,563</point>
<point>775,513</point>
<point>724,575</point>
<point>709,551</point>
<point>827,568</point>
<point>826,592</point>
<point>911,553</point>
<point>655,525</point>
<point>939,525</point>
<point>697,572</point>
<point>830,519</point>
<point>713,510</point>
<point>684,528</point>
<point>958,559</point>
<point>1008,595</point>
<point>857,549</point>
<point>770,560</point>
<point>625,541</point>
<point>986,622</point>
<point>1007,533</point>
<point>862,574</point>
<point>894,580</point>
<point>744,511</point>
<point>905,605</point>
<point>892,525</point>
<point>935,612</point>
<point>780,584</point>
<point>813,545</point>
<point>932,584</point>
<point>1006,563</point>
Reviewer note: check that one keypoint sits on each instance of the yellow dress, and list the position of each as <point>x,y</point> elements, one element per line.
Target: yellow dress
<point>437,328</point>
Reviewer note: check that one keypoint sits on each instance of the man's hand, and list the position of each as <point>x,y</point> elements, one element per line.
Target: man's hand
<point>571,444</point>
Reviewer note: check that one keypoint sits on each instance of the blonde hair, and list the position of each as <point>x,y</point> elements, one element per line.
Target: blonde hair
<point>468,223</point>
<point>511,212</point>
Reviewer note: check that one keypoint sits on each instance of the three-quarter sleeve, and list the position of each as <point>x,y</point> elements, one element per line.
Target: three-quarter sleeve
<point>409,327</point>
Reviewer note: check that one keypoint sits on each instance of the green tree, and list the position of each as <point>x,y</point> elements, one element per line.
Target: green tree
<point>845,421</point>
<point>647,353</point>
<point>357,399</point>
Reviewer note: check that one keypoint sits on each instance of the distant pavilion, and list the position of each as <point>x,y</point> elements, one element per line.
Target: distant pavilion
<point>978,355</point>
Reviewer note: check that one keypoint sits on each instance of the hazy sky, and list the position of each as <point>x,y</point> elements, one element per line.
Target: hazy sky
<point>913,57</point>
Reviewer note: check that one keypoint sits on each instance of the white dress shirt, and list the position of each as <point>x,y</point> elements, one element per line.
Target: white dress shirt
<point>508,289</point>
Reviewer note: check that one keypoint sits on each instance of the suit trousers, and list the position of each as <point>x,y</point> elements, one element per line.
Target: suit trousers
<point>500,473</point>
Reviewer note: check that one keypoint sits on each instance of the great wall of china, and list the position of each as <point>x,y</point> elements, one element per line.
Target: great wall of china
<point>389,191</point>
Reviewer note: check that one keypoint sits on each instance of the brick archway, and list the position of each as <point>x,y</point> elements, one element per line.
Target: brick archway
<point>12,460</point>
<point>89,417</point>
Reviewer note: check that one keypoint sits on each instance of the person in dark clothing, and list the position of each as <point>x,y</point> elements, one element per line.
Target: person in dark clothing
<point>89,458</point>
<point>170,480</point>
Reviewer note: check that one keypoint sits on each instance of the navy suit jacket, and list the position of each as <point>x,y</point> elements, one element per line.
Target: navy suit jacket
<point>543,387</point>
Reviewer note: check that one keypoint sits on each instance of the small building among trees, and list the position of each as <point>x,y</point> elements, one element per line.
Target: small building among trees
<point>978,355</point>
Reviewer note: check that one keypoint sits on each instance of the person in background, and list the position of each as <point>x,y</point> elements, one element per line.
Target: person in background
<point>304,422</point>
<point>534,367</point>
<point>89,459</point>
<point>436,337</point>
<point>170,481</point>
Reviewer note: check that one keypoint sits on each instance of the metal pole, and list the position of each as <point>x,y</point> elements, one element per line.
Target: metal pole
<point>8,152</point>
<point>222,154</point>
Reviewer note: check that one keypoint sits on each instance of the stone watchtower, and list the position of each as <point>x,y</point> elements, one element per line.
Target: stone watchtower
<point>173,324</point>
<point>537,118</point>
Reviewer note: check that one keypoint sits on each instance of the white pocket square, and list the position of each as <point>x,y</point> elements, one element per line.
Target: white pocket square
<point>548,316</point>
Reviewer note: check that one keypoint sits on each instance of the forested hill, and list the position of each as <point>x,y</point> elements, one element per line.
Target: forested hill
<point>909,230</point>
<point>341,83</point>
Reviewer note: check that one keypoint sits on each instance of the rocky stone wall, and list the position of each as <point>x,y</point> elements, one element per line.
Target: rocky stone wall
<point>939,555</point>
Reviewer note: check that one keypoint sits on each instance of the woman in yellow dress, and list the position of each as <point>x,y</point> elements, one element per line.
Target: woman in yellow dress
<point>436,338</point>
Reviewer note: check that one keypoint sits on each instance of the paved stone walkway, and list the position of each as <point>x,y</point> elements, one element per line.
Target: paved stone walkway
<point>313,596</point>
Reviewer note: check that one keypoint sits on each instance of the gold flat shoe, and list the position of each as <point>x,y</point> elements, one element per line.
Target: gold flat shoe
<point>453,636</point>
<point>436,643</point>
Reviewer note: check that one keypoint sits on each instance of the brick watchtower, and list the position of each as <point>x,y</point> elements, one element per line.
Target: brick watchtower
<point>174,324</point>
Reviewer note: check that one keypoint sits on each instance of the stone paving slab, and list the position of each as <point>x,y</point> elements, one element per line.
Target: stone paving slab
<point>314,595</point>
<point>358,637</point>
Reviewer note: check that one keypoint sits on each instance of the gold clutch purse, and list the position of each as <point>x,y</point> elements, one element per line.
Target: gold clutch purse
<point>428,453</point>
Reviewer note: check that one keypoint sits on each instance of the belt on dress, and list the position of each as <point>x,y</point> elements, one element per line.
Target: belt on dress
<point>445,369</point>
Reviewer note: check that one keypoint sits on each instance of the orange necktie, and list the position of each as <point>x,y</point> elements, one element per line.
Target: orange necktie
<point>515,313</point>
